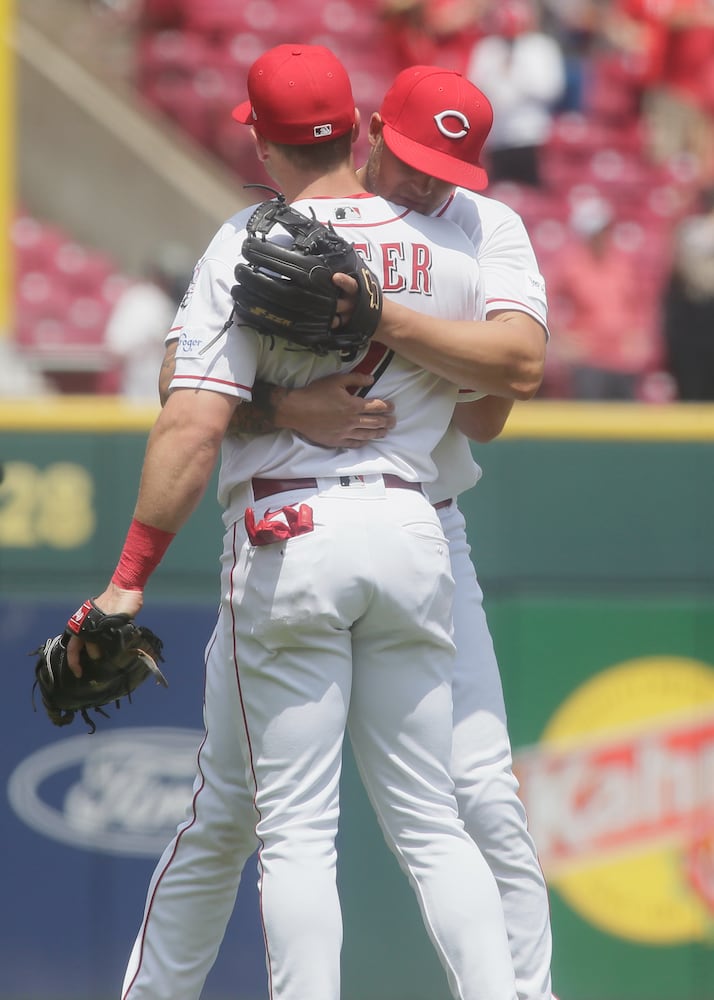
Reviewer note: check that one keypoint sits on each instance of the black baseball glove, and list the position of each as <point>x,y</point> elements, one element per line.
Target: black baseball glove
<point>285,288</point>
<point>128,655</point>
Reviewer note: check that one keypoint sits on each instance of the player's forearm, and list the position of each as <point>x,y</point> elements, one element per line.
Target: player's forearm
<point>180,458</point>
<point>173,481</point>
<point>504,357</point>
<point>326,412</point>
<point>483,419</point>
<point>268,412</point>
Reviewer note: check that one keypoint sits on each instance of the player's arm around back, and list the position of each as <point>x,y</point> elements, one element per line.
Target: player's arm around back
<point>503,356</point>
<point>326,412</point>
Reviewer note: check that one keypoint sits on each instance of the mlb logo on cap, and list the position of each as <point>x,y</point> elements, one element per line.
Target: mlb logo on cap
<point>298,94</point>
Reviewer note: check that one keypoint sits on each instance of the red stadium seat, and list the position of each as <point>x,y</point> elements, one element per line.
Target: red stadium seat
<point>40,295</point>
<point>612,94</point>
<point>549,238</point>
<point>87,320</point>
<point>238,52</point>
<point>82,271</point>
<point>36,334</point>
<point>177,98</point>
<point>351,20</point>
<point>213,18</point>
<point>64,294</point>
<point>33,244</point>
<point>178,52</point>
<point>278,22</point>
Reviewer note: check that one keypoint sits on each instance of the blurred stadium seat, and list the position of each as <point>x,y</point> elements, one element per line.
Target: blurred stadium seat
<point>190,63</point>
<point>33,244</point>
<point>64,293</point>
<point>81,271</point>
<point>612,93</point>
<point>183,52</point>
<point>212,17</point>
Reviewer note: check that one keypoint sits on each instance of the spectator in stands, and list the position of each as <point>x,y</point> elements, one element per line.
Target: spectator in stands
<point>576,26</point>
<point>688,306</point>
<point>141,319</point>
<point>675,39</point>
<point>599,319</point>
<point>433,32</point>
<point>522,69</point>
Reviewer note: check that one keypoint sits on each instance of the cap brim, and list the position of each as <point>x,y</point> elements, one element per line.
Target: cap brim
<point>435,163</point>
<point>243,113</point>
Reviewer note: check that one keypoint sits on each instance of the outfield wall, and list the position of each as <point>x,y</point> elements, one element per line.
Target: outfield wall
<point>594,540</point>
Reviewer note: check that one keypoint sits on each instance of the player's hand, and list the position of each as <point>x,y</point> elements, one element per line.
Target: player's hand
<point>327,413</point>
<point>114,600</point>
<point>347,302</point>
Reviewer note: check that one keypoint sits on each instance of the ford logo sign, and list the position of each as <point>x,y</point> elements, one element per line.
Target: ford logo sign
<point>121,793</point>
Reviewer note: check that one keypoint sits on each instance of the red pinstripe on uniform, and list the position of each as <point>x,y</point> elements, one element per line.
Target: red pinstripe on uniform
<point>234,546</point>
<point>214,381</point>
<point>179,835</point>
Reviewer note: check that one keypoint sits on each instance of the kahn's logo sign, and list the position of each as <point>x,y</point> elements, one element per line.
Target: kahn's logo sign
<point>121,793</point>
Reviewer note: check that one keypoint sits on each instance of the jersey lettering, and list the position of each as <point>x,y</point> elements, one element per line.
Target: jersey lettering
<point>392,256</point>
<point>421,269</point>
<point>404,267</point>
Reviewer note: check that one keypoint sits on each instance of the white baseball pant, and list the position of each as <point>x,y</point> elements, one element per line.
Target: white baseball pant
<point>193,889</point>
<point>348,624</point>
<point>486,788</point>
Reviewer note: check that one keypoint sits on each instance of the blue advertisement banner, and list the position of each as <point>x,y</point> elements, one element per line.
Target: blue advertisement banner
<point>85,818</point>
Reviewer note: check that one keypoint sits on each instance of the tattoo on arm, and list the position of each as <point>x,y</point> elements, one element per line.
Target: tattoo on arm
<point>257,417</point>
<point>166,372</point>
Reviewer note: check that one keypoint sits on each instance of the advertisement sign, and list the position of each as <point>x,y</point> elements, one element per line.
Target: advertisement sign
<point>599,586</point>
<point>611,711</point>
<point>620,798</point>
<point>84,818</point>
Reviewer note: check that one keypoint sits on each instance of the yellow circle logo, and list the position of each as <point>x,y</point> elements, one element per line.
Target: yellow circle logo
<point>620,798</point>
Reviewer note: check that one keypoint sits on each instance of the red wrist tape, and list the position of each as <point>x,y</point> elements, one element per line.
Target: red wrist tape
<point>143,550</point>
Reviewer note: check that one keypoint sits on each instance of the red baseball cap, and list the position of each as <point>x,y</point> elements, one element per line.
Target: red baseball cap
<point>437,121</point>
<point>298,94</point>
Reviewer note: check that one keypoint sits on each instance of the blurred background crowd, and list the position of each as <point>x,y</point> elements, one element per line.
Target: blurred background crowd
<point>603,142</point>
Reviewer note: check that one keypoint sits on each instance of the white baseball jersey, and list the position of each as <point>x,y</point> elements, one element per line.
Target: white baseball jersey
<point>345,624</point>
<point>420,262</point>
<point>184,922</point>
<point>510,279</point>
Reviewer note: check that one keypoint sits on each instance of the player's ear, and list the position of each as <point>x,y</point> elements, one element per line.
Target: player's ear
<point>261,146</point>
<point>356,126</point>
<point>375,128</point>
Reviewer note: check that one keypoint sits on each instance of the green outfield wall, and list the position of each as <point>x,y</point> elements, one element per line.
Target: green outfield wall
<point>593,536</point>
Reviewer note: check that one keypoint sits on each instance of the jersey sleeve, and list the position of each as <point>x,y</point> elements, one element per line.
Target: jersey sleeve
<point>228,231</point>
<point>469,395</point>
<point>510,276</point>
<point>213,352</point>
<point>509,271</point>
